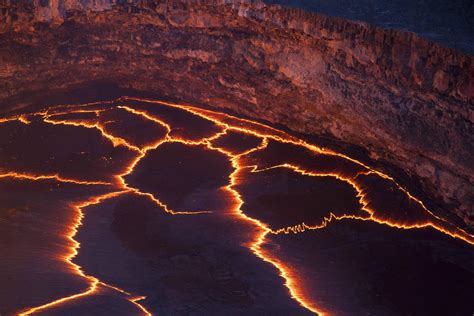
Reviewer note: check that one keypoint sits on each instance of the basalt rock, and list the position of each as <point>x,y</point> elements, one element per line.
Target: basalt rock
<point>408,101</point>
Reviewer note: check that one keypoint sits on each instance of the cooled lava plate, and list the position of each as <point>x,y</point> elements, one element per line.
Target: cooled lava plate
<point>138,207</point>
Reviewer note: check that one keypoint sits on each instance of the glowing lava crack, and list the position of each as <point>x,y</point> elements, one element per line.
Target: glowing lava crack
<point>245,159</point>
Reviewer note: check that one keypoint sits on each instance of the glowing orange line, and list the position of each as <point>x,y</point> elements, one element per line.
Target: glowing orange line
<point>116,141</point>
<point>75,108</point>
<point>92,289</point>
<point>22,118</point>
<point>209,115</point>
<point>94,282</point>
<point>73,252</point>
<point>221,119</point>
<point>50,177</point>
<point>403,190</point>
<point>147,116</point>
<point>460,234</point>
<point>4,120</point>
<point>51,113</point>
<point>165,207</point>
<point>130,168</point>
<point>141,307</point>
<point>300,228</point>
<point>255,246</point>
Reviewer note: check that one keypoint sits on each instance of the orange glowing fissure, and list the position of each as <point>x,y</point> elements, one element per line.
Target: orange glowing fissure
<point>94,283</point>
<point>227,123</point>
<point>56,177</point>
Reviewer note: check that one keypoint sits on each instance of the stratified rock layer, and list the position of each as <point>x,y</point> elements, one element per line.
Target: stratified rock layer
<point>405,99</point>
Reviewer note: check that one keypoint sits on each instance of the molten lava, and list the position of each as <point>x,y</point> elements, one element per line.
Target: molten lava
<point>249,149</point>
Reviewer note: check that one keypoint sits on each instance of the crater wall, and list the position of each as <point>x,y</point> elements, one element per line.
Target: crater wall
<point>406,100</point>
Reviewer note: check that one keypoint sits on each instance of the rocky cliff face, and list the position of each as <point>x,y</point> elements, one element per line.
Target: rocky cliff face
<point>406,100</point>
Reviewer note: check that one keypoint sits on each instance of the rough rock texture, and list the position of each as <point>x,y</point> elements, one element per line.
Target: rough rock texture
<point>447,22</point>
<point>408,101</point>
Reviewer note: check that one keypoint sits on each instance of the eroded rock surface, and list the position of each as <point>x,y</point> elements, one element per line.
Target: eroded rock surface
<point>407,100</point>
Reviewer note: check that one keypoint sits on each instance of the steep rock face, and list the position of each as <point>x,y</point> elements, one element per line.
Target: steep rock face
<point>446,22</point>
<point>408,101</point>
